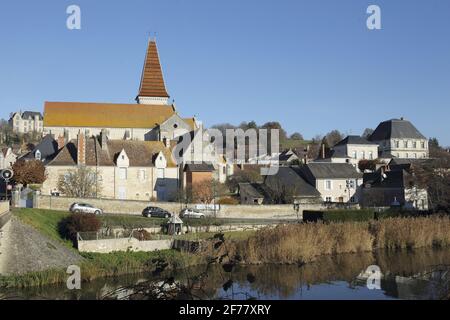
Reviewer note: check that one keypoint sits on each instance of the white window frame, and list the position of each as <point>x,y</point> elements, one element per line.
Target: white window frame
<point>326,185</point>
<point>142,175</point>
<point>123,173</point>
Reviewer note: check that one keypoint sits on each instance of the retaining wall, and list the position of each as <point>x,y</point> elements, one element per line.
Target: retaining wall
<point>123,244</point>
<point>5,215</point>
<point>135,207</point>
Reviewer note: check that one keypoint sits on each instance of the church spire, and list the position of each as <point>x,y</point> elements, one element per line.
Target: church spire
<point>152,89</point>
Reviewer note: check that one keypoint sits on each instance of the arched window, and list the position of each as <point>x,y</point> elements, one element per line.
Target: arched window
<point>37,155</point>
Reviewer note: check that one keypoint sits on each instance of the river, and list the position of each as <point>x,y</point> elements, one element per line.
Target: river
<point>421,274</point>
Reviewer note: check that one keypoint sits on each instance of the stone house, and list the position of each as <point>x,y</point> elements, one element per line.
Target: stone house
<point>250,194</point>
<point>393,186</point>
<point>336,182</point>
<point>44,151</point>
<point>398,138</point>
<point>26,122</point>
<point>353,149</point>
<point>287,186</point>
<point>124,169</point>
<point>7,158</point>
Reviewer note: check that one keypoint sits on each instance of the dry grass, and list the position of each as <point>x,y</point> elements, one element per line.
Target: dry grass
<point>303,243</point>
<point>409,233</point>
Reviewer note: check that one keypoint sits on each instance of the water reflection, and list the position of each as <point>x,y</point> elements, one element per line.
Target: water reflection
<point>422,274</point>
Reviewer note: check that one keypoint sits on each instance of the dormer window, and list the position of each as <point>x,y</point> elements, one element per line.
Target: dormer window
<point>37,155</point>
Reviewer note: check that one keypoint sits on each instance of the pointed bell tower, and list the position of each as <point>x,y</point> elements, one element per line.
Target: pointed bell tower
<point>152,89</point>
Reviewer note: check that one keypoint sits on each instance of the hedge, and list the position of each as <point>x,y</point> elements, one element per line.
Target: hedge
<point>338,215</point>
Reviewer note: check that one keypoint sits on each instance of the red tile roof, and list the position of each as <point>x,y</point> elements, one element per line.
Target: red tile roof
<point>152,81</point>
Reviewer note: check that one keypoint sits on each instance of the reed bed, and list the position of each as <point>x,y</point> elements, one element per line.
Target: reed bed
<point>303,243</point>
<point>410,233</point>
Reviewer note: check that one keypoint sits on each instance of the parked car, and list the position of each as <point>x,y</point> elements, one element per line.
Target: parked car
<point>191,214</point>
<point>156,212</point>
<point>84,208</point>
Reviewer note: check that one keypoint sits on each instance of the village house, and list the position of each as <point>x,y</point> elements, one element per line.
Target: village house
<point>353,149</point>
<point>251,193</point>
<point>336,182</point>
<point>124,169</point>
<point>26,122</point>
<point>393,185</point>
<point>7,158</point>
<point>398,138</point>
<point>45,151</point>
<point>288,185</point>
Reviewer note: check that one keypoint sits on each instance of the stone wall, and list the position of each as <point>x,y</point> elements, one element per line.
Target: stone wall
<point>4,213</point>
<point>123,244</point>
<point>135,207</point>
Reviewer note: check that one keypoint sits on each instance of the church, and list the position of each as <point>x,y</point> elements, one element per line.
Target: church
<point>152,118</point>
<point>131,147</point>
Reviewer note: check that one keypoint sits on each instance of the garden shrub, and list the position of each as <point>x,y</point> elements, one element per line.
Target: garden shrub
<point>78,222</point>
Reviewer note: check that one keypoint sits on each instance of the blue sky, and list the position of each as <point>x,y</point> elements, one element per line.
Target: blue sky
<point>312,65</point>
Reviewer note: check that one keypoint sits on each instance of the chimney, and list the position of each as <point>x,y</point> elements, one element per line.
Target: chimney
<point>323,150</point>
<point>103,140</point>
<point>61,142</point>
<point>166,142</point>
<point>81,146</point>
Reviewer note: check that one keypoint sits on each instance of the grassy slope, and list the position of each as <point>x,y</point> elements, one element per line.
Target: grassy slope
<point>102,265</point>
<point>45,221</point>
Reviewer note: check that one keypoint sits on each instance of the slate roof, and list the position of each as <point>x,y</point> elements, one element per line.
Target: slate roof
<point>287,155</point>
<point>105,115</point>
<point>326,170</point>
<point>48,147</point>
<point>392,179</point>
<point>289,177</point>
<point>354,140</point>
<point>396,129</point>
<point>31,114</point>
<point>199,167</point>
<point>251,189</point>
<point>152,80</point>
<point>140,153</point>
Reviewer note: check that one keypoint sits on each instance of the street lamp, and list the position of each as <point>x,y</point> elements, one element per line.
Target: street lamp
<point>6,175</point>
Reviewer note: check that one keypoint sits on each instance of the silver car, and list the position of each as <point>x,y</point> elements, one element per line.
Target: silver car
<point>85,208</point>
<point>191,214</point>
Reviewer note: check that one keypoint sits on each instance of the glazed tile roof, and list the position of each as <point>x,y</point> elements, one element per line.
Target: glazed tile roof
<point>152,81</point>
<point>105,115</point>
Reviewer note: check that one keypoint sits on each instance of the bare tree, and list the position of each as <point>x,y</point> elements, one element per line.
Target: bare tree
<point>81,183</point>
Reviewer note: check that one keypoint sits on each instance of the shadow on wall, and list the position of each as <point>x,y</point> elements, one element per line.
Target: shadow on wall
<point>166,189</point>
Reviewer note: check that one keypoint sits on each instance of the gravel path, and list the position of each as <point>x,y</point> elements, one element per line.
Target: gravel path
<point>23,249</point>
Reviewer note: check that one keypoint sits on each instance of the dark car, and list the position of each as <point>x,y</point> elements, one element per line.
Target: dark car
<point>156,212</point>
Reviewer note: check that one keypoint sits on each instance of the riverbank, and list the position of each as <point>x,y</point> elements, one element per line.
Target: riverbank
<point>93,265</point>
<point>285,244</point>
<point>303,243</point>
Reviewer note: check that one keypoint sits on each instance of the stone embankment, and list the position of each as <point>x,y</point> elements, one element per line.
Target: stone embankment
<point>23,249</point>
